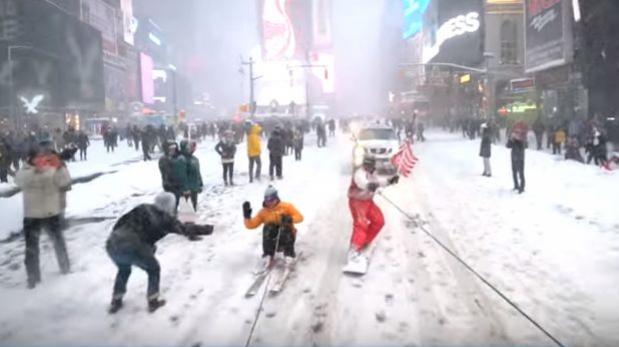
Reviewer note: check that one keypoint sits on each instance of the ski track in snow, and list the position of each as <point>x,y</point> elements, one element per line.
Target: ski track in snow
<point>553,250</point>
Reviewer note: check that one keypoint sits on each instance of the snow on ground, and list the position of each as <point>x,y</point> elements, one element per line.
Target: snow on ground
<point>553,250</point>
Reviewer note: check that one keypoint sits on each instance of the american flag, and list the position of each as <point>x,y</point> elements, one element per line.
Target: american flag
<point>404,160</point>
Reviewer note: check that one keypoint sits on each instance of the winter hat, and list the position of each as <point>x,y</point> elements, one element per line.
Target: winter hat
<point>166,202</point>
<point>270,194</point>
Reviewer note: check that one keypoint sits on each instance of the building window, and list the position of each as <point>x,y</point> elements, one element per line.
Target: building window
<point>509,44</point>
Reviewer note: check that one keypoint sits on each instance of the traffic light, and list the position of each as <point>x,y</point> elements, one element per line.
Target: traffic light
<point>182,115</point>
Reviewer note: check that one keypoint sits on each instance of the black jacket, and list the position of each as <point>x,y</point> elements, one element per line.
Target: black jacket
<point>144,224</point>
<point>518,147</point>
<point>276,144</point>
<point>485,149</point>
<point>226,149</point>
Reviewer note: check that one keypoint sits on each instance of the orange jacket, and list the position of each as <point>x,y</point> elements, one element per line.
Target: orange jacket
<point>274,215</point>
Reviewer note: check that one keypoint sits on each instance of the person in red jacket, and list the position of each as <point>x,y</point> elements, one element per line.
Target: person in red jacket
<point>367,217</point>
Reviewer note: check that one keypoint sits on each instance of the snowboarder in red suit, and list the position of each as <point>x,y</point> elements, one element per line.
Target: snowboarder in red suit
<point>367,217</point>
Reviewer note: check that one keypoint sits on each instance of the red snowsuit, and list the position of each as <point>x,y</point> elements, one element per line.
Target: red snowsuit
<point>368,220</point>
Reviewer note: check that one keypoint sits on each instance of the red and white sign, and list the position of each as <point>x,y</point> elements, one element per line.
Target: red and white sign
<point>278,32</point>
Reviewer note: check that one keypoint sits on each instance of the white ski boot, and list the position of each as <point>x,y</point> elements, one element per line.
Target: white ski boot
<point>263,264</point>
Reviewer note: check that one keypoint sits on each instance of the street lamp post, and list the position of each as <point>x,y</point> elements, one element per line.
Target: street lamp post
<point>11,86</point>
<point>252,79</point>
<point>489,87</point>
<point>174,92</point>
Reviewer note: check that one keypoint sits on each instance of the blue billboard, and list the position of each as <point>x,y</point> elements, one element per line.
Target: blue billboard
<point>413,16</point>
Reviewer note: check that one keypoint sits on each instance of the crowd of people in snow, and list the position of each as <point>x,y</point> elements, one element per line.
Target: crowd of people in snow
<point>44,180</point>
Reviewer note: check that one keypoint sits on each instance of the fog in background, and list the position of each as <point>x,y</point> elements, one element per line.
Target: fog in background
<point>209,36</point>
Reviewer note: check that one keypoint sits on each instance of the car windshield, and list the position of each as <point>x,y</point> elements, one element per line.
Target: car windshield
<point>377,134</point>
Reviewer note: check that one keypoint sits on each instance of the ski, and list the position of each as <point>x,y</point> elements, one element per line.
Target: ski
<point>258,281</point>
<point>280,280</point>
<point>279,284</point>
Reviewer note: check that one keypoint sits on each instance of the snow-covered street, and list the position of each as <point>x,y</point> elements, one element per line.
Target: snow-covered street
<point>553,250</point>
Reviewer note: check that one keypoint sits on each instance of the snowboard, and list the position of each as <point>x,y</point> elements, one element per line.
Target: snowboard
<point>357,268</point>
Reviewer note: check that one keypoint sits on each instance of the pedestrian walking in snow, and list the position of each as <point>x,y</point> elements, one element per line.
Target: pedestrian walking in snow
<point>132,242</point>
<point>5,161</point>
<point>194,183</point>
<point>254,149</point>
<point>146,144</point>
<point>298,144</point>
<point>538,130</point>
<point>332,127</point>
<point>367,217</point>
<point>82,144</point>
<point>278,233</point>
<point>276,152</point>
<point>321,133</point>
<point>43,180</point>
<point>226,148</point>
<point>173,169</point>
<point>559,139</point>
<point>517,143</point>
<point>572,150</point>
<point>420,131</point>
<point>485,148</point>
<point>600,152</point>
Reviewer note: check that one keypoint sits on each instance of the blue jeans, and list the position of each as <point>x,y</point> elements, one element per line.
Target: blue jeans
<point>141,255</point>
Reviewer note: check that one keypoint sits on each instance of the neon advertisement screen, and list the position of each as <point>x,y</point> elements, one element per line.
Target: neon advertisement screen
<point>148,87</point>
<point>413,16</point>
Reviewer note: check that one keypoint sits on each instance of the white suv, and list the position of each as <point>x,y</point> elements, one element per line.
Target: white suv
<point>379,142</point>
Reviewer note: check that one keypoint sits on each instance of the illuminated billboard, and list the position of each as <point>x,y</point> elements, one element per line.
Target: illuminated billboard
<point>286,29</point>
<point>148,84</point>
<point>413,16</point>
<point>548,35</point>
<point>454,32</point>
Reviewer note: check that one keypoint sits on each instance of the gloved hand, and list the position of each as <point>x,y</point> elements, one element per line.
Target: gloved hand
<point>194,237</point>
<point>286,220</point>
<point>372,186</point>
<point>246,210</point>
<point>394,180</point>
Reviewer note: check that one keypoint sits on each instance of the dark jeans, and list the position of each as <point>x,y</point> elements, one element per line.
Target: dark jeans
<point>275,165</point>
<point>32,232</point>
<point>145,152</point>
<point>286,240</point>
<point>141,255</point>
<point>518,173</point>
<point>4,172</point>
<point>556,148</point>
<point>538,139</point>
<point>297,153</point>
<point>84,153</point>
<point>254,160</point>
<point>227,173</point>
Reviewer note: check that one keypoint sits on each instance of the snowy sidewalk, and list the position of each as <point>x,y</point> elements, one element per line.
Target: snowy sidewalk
<point>553,249</point>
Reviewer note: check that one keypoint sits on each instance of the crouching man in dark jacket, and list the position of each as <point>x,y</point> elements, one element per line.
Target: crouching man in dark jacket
<point>132,242</point>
